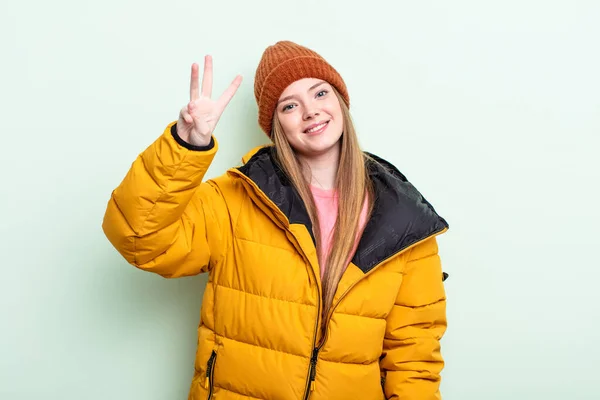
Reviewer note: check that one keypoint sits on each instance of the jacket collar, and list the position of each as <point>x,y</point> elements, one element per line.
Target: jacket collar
<point>401,215</point>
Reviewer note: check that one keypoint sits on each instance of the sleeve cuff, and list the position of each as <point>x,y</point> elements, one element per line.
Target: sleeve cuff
<point>190,146</point>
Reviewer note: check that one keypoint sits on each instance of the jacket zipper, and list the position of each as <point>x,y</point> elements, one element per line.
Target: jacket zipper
<point>210,367</point>
<point>312,372</point>
<point>312,369</point>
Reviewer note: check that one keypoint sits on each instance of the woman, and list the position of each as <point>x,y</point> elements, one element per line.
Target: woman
<point>324,275</point>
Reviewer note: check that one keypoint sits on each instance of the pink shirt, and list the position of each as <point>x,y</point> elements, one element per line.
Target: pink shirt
<point>326,202</point>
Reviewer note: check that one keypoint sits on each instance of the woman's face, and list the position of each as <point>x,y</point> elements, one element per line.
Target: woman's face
<point>311,117</point>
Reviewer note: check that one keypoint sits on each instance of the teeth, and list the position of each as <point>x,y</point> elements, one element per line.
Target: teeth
<point>316,128</point>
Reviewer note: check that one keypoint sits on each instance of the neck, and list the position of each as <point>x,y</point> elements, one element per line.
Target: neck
<point>322,169</point>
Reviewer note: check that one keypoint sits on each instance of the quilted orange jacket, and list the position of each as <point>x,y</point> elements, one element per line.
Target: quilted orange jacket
<point>259,335</point>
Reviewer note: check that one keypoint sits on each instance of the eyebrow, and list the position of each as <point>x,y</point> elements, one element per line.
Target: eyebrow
<point>309,89</point>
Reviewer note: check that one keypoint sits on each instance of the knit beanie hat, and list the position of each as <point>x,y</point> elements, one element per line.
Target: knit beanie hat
<point>281,65</point>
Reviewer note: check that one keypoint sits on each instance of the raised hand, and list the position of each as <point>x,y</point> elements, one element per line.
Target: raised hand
<point>197,119</point>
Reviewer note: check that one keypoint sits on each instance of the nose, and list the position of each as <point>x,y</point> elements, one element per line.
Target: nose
<point>310,114</point>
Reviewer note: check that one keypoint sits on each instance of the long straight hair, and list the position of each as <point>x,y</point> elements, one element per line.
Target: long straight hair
<point>354,187</point>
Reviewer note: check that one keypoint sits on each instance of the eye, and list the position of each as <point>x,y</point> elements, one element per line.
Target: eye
<point>287,107</point>
<point>322,91</point>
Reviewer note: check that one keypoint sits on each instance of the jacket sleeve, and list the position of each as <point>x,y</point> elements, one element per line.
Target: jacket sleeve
<point>411,361</point>
<point>162,218</point>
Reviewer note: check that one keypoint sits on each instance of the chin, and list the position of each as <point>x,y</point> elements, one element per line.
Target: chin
<point>318,149</point>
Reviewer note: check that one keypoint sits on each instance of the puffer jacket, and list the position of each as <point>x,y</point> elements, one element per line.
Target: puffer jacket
<point>260,335</point>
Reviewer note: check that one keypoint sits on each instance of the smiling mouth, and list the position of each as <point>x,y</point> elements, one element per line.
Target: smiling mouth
<point>317,128</point>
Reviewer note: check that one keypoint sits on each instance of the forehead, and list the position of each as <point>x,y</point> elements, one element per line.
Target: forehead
<point>301,86</point>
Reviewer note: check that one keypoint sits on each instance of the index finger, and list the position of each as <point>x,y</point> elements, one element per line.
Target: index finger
<point>194,83</point>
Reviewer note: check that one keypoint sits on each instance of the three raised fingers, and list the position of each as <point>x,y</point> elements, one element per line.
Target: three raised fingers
<point>207,82</point>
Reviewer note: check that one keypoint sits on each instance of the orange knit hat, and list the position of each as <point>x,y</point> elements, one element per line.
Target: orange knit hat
<point>281,65</point>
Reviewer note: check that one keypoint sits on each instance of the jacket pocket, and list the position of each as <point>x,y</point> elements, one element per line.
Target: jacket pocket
<point>210,372</point>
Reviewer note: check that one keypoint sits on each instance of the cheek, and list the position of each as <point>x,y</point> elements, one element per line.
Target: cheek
<point>334,109</point>
<point>289,123</point>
